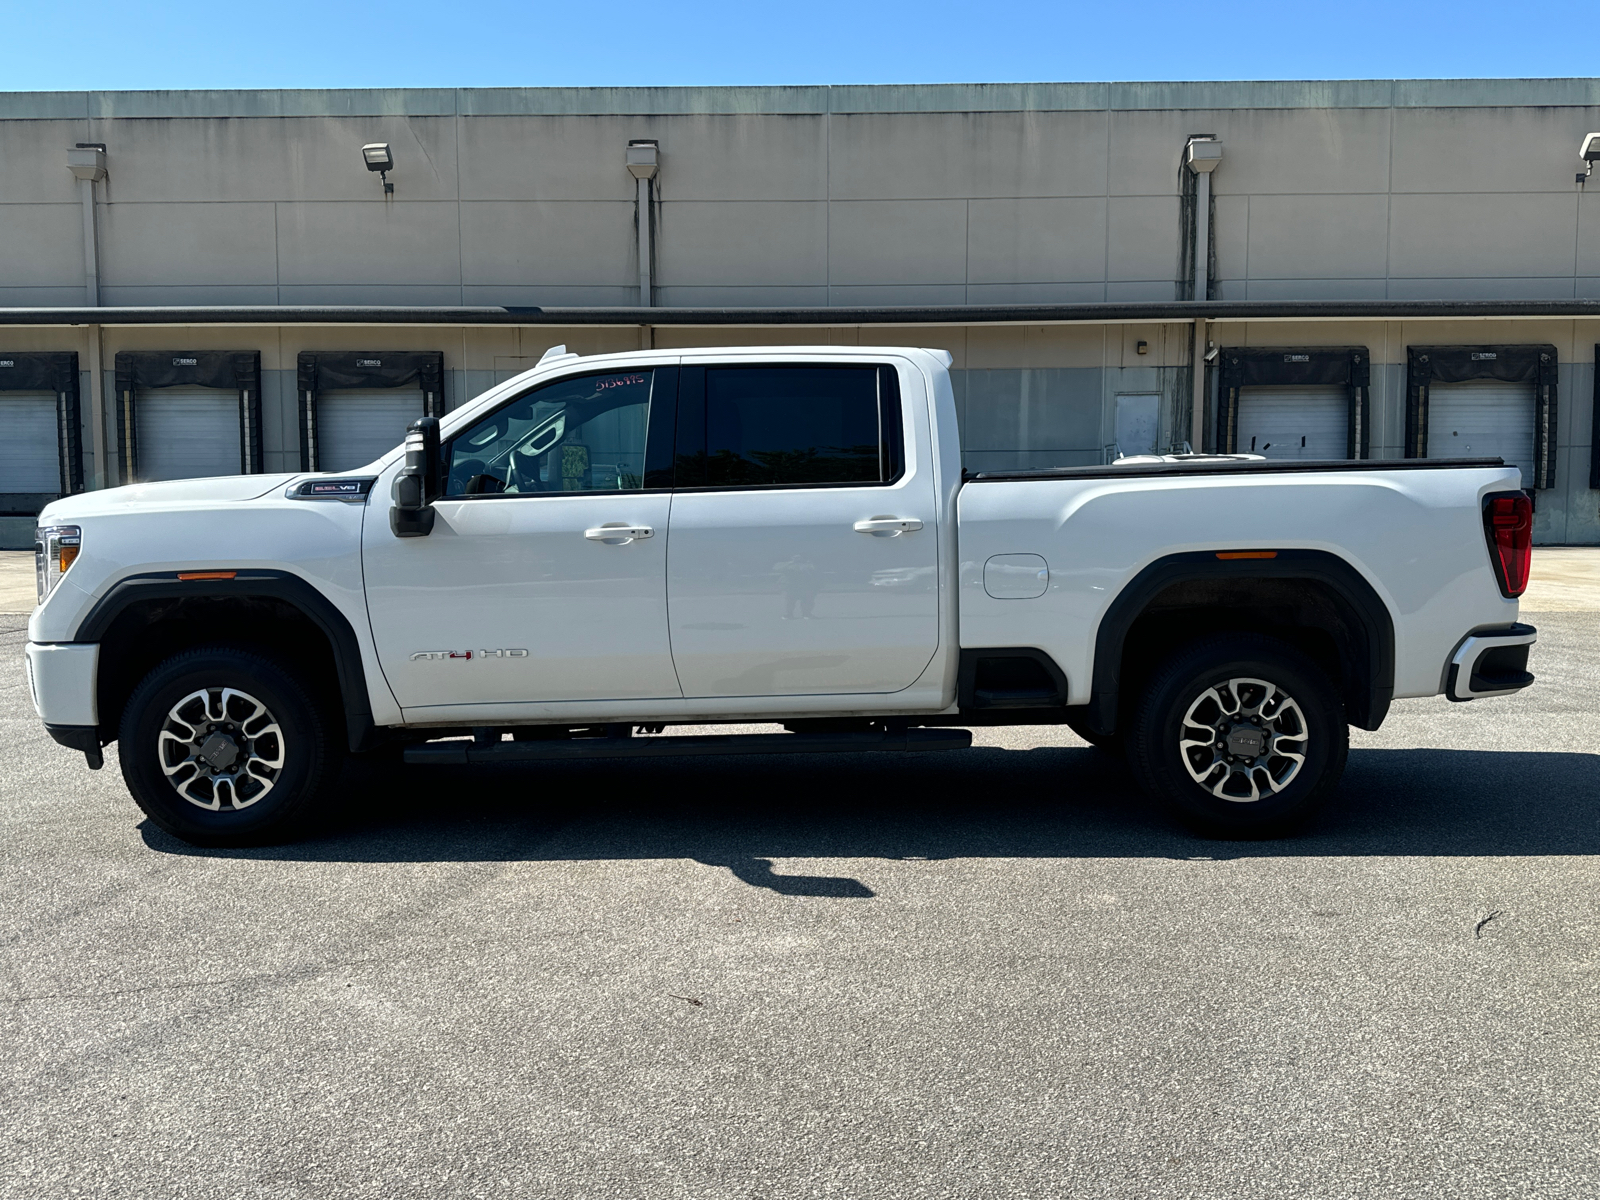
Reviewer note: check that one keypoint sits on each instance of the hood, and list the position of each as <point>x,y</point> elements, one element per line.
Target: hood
<point>178,493</point>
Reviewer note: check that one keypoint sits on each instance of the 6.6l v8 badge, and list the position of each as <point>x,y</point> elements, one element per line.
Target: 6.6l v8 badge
<point>444,655</point>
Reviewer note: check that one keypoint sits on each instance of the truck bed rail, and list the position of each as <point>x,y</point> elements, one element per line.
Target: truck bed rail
<point>1201,466</point>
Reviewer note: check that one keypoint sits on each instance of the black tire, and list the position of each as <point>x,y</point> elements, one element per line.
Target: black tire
<point>258,802</point>
<point>1111,743</point>
<point>1288,792</point>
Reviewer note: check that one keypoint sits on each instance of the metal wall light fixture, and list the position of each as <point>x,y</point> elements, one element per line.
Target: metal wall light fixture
<point>1589,152</point>
<point>380,158</point>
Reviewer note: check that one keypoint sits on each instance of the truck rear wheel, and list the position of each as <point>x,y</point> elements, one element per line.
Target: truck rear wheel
<point>222,746</point>
<point>1242,734</point>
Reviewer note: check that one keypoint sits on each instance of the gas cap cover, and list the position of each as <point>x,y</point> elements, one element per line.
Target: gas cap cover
<point>1016,576</point>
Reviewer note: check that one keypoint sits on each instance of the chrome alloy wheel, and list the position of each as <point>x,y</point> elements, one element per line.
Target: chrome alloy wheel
<point>1243,740</point>
<point>221,749</point>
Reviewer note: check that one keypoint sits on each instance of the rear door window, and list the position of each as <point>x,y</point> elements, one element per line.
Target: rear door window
<point>788,426</point>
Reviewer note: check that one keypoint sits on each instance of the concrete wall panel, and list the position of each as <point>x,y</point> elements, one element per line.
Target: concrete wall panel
<point>1489,149</point>
<point>899,155</point>
<point>176,244</point>
<point>772,244</point>
<point>34,158</point>
<point>1301,151</point>
<point>742,158</point>
<point>533,243</point>
<point>1310,289</point>
<point>1036,241</point>
<point>1143,240</point>
<point>736,296</point>
<point>41,245</point>
<point>898,242</point>
<point>369,244</point>
<point>549,158</point>
<point>1473,235</point>
<point>1318,237</point>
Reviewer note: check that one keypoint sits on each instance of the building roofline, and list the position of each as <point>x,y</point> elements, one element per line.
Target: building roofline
<point>1189,95</point>
<point>956,314</point>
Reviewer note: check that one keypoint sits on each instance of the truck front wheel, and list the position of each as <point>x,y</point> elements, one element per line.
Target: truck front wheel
<point>1242,734</point>
<point>221,746</point>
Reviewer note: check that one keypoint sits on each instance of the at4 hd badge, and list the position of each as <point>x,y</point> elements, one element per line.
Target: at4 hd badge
<point>465,655</point>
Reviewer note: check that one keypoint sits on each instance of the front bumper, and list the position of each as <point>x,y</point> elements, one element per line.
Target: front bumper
<point>1490,662</point>
<point>61,679</point>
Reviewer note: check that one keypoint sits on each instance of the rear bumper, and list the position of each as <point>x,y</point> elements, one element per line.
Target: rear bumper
<point>1490,662</point>
<point>61,679</point>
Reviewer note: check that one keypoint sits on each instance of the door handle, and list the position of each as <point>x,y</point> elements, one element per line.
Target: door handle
<point>888,526</point>
<point>618,533</point>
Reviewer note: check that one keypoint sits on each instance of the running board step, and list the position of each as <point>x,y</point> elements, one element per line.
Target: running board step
<point>655,746</point>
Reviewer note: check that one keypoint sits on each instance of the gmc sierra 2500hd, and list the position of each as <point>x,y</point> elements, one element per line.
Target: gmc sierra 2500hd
<point>603,547</point>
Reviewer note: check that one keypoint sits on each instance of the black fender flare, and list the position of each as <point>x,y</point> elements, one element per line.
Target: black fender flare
<point>1374,659</point>
<point>253,583</point>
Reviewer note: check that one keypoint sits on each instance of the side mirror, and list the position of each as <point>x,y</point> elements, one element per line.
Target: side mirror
<point>417,485</point>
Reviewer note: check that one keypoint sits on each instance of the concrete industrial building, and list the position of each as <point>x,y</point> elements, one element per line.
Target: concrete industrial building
<point>204,282</point>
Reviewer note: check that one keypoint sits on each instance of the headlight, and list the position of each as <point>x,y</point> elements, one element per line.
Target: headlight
<point>54,549</point>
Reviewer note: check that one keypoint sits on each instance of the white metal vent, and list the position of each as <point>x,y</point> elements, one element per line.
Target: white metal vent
<point>29,460</point>
<point>187,432</point>
<point>357,425</point>
<point>1294,422</point>
<point>1483,418</point>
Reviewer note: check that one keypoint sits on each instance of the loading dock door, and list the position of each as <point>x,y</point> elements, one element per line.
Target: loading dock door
<point>1483,418</point>
<point>187,432</point>
<point>30,460</point>
<point>357,425</point>
<point>1294,422</point>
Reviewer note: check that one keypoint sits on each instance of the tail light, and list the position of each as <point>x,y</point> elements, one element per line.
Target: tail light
<point>1508,528</point>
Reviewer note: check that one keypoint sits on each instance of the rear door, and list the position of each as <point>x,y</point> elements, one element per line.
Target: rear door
<point>1294,422</point>
<point>187,433</point>
<point>804,551</point>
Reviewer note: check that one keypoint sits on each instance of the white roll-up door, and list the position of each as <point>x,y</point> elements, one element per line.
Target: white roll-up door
<point>355,426</point>
<point>187,432</point>
<point>29,458</point>
<point>1294,422</point>
<point>1483,418</point>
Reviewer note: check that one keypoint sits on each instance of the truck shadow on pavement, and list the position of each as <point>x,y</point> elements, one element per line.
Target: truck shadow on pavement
<point>1051,802</point>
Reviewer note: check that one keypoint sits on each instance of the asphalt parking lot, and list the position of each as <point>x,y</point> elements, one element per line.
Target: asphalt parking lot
<point>990,973</point>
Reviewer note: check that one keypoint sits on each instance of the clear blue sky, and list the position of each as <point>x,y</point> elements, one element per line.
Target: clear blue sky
<point>56,45</point>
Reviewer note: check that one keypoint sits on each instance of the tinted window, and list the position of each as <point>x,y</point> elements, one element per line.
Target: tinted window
<point>766,426</point>
<point>576,435</point>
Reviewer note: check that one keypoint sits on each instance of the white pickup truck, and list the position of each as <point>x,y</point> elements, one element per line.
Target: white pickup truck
<point>605,547</point>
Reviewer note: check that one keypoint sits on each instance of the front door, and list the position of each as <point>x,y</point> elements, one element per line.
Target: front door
<point>804,537</point>
<point>544,578</point>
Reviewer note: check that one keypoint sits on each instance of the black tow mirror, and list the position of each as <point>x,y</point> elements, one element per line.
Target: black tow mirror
<point>417,485</point>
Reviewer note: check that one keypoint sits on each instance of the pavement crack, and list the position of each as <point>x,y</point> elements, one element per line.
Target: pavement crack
<point>1477,932</point>
<point>690,999</point>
